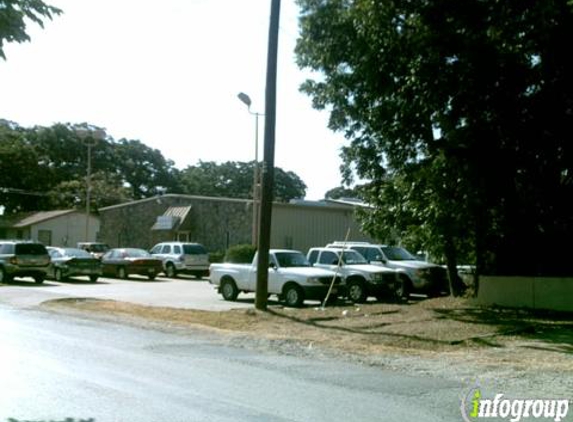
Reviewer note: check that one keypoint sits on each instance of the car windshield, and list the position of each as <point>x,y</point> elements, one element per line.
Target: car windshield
<point>76,253</point>
<point>30,249</point>
<point>137,253</point>
<point>394,253</point>
<point>291,259</point>
<point>353,258</point>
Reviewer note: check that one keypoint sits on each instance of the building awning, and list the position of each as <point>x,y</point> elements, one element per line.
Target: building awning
<point>172,218</point>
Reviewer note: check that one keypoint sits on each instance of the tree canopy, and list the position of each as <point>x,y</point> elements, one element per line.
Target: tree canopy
<point>44,168</point>
<point>234,179</point>
<point>340,192</point>
<point>459,116</point>
<point>13,17</point>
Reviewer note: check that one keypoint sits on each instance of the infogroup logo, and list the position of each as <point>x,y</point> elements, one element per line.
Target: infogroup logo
<point>474,407</point>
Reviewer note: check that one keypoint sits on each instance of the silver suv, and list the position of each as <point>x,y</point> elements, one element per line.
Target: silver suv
<point>182,257</point>
<point>361,279</point>
<point>23,259</point>
<point>417,276</point>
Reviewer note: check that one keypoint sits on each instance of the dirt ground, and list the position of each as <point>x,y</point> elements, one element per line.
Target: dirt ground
<point>449,336</point>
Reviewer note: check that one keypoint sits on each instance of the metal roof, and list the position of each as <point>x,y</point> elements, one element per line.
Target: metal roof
<point>25,220</point>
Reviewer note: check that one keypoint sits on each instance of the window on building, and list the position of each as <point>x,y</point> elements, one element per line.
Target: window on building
<point>183,236</point>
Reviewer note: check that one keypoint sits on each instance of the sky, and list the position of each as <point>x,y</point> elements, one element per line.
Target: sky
<point>168,73</point>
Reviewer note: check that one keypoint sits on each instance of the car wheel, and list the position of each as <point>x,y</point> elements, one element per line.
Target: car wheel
<point>293,295</point>
<point>122,273</point>
<point>4,278</point>
<point>356,291</point>
<point>229,290</point>
<point>170,270</point>
<point>93,278</point>
<point>403,289</point>
<point>39,279</point>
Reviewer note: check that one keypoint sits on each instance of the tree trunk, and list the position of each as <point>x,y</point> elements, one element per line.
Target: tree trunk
<point>479,250</point>
<point>455,282</point>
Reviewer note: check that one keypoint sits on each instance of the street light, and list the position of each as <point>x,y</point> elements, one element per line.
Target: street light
<point>245,99</point>
<point>89,136</point>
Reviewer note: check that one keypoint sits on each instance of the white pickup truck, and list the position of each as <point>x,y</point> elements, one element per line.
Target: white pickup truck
<point>361,278</point>
<point>291,278</point>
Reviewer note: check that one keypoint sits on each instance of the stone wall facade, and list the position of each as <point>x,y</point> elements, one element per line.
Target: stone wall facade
<point>216,223</point>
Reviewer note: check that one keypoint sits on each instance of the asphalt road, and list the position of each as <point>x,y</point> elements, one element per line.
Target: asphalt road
<point>54,367</point>
<point>177,293</point>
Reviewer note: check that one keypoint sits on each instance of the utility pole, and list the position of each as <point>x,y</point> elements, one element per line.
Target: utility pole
<point>90,144</point>
<point>89,135</point>
<point>268,160</point>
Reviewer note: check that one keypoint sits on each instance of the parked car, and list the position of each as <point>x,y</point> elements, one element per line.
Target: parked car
<point>70,262</point>
<point>417,276</point>
<point>23,259</point>
<point>182,257</point>
<point>361,279</point>
<point>121,262</point>
<point>96,249</point>
<point>291,278</point>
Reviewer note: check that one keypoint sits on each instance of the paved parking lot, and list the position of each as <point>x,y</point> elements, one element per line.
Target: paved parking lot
<point>175,293</point>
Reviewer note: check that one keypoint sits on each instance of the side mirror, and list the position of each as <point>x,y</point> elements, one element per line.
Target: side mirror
<point>272,265</point>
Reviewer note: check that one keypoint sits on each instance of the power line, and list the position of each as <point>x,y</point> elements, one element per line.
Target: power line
<point>23,192</point>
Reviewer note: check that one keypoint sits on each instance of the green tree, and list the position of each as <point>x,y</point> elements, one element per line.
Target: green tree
<point>144,169</point>
<point>234,179</point>
<point>106,189</point>
<point>13,16</point>
<point>22,186</point>
<point>343,192</point>
<point>46,168</point>
<point>459,115</point>
<point>63,152</point>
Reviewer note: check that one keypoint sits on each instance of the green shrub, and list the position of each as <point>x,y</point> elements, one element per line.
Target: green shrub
<point>240,254</point>
<point>216,256</point>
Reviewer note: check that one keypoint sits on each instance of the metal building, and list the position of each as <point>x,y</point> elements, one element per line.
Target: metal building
<point>219,223</point>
